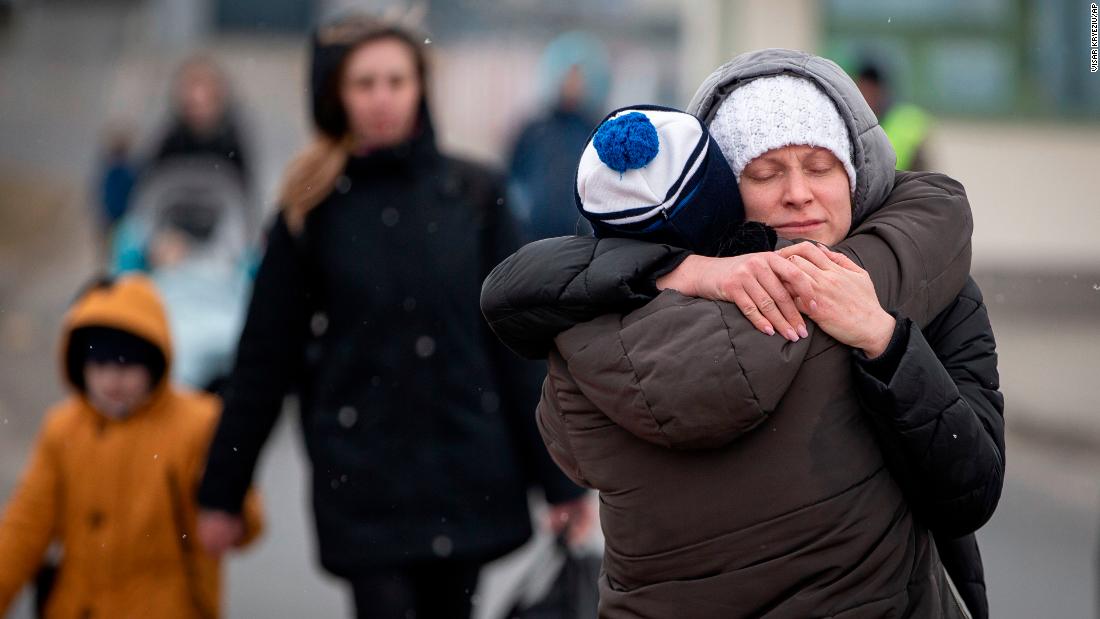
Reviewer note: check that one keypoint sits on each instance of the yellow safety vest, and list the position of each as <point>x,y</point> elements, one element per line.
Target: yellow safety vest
<point>907,127</point>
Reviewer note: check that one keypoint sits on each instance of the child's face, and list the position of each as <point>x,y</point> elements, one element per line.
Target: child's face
<point>116,389</point>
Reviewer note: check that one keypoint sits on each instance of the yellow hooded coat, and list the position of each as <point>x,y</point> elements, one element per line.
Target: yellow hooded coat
<point>119,494</point>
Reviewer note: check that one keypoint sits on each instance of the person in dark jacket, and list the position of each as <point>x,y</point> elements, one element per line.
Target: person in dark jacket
<point>574,81</point>
<point>118,175</point>
<point>416,420</point>
<point>907,125</point>
<point>931,396</point>
<point>203,121</point>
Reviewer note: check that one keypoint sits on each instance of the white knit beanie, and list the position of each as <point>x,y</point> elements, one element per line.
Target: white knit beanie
<point>777,111</point>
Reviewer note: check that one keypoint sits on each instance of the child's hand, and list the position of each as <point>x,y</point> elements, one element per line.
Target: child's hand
<point>219,531</point>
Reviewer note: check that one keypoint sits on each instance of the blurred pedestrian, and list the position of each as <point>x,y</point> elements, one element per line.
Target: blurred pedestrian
<point>190,223</point>
<point>114,473</point>
<point>203,120</point>
<point>574,79</point>
<point>419,425</point>
<point>906,124</point>
<point>203,130</point>
<point>189,227</point>
<point>117,174</point>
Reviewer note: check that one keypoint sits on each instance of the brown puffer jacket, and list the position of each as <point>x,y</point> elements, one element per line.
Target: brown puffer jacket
<point>738,476</point>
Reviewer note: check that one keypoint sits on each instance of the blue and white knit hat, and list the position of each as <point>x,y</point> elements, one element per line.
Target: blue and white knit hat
<point>642,168</point>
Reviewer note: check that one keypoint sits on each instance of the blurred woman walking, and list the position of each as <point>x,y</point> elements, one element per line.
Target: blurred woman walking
<point>418,424</point>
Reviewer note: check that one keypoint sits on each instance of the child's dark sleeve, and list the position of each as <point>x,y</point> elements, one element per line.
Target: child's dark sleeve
<point>30,518</point>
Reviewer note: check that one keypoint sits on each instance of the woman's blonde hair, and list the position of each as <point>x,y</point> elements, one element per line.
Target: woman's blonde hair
<point>310,177</point>
<point>313,174</point>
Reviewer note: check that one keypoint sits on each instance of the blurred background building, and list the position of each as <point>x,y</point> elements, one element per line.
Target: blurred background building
<point>1013,113</point>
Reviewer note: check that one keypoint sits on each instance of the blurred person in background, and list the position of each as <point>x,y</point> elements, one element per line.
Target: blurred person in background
<point>573,81</point>
<point>906,124</point>
<point>202,127</point>
<point>114,472</point>
<point>418,424</point>
<point>203,120</point>
<point>118,173</point>
<point>191,229</point>
<point>190,223</point>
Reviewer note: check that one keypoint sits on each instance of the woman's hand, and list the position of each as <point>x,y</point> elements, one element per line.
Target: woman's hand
<point>757,283</point>
<point>219,531</point>
<point>840,298</point>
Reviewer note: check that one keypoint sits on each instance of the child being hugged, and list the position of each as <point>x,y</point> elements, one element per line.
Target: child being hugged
<point>655,174</point>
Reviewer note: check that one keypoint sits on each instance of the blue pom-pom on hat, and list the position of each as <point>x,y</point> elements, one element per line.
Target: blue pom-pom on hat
<point>627,142</point>
<point>681,191</point>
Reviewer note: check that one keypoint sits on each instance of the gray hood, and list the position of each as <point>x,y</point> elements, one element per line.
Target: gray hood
<point>872,154</point>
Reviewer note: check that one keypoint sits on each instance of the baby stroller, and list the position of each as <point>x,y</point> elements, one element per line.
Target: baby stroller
<point>191,226</point>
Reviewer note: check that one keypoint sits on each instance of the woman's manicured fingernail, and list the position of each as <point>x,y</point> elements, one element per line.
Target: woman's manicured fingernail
<point>769,330</point>
<point>813,305</point>
<point>802,331</point>
<point>791,335</point>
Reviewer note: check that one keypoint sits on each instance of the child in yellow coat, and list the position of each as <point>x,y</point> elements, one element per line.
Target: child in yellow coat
<point>114,473</point>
